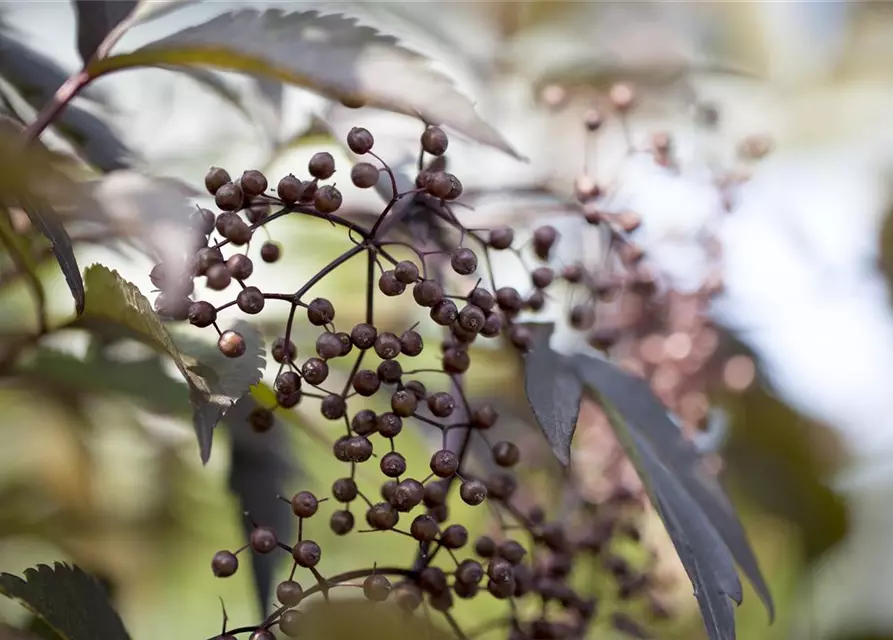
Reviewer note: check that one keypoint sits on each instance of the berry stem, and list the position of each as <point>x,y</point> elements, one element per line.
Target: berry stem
<point>59,101</point>
<point>329,268</point>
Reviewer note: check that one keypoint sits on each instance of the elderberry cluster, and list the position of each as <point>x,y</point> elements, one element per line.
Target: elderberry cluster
<point>540,562</point>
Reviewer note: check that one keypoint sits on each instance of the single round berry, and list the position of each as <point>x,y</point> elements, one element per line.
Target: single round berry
<point>333,407</point>
<point>472,318</point>
<point>250,300</point>
<point>388,488</point>
<point>270,252</point>
<point>466,590</point>
<point>229,197</point>
<point>389,285</point>
<point>473,492</point>
<point>455,188</point>
<point>512,551</point>
<point>202,314</point>
<point>308,191</point>
<point>358,448</point>
<point>341,523</point>
<point>387,346</point>
<point>364,422</point>
<point>418,388</point>
<point>454,536</point>
<point>321,165</point>
<point>315,371</point>
<point>364,175</point>
<point>509,300</point>
<point>433,580</point>
<point>521,338</point>
<point>304,504</point>
<point>407,596</point>
<point>407,495</point>
<point>411,343</point>
<point>506,454</point>
<point>261,420</point>
<point>406,272</point>
<point>307,553</point>
<point>484,417</point>
<point>216,178</point>
<point>441,404</point>
<point>501,485</point>
<point>404,403</point>
<point>222,220</point>
<point>237,232</point>
<point>287,382</point>
<point>444,463</point>
<point>390,371</point>
<point>456,361</point>
<point>281,353</point>
<point>218,277</point>
<point>435,494</point>
<point>439,185</point>
<point>444,312</point>
<point>390,425</point>
<point>500,570</point>
<point>492,325</point>
<point>224,564</point>
<point>501,238</point>
<point>231,344</point>
<point>382,516</point>
<point>320,312</point>
<point>469,572</point>
<point>542,277</point>
<point>376,588</point>
<point>263,539</point>
<point>328,345</point>
<point>424,528</point>
<point>393,464</point>
<point>582,317</point>
<point>435,141</point>
<point>289,593</point>
<point>173,306</point>
<point>327,199</point>
<point>360,140</point>
<point>345,490</point>
<point>543,239</point>
<point>290,189</point>
<point>485,547</point>
<point>464,261</point>
<point>288,400</point>
<point>339,449</point>
<point>291,623</point>
<point>363,335</point>
<point>253,182</point>
<point>427,293</point>
<point>481,298</point>
<point>203,220</point>
<point>366,382</point>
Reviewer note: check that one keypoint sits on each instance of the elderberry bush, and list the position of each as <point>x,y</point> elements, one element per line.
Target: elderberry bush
<point>528,556</point>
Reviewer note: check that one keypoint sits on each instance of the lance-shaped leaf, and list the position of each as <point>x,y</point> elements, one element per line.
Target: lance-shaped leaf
<point>96,19</point>
<point>330,54</point>
<point>260,469</point>
<point>554,391</point>
<point>36,79</point>
<point>645,419</point>
<point>29,181</point>
<point>70,601</point>
<point>215,383</point>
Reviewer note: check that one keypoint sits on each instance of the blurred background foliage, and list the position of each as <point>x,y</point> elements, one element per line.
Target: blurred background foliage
<point>98,463</point>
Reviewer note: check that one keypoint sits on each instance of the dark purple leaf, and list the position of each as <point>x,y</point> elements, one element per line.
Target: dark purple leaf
<point>95,19</point>
<point>645,419</point>
<point>554,391</point>
<point>70,601</point>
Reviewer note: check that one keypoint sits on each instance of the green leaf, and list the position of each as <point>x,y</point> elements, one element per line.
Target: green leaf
<point>645,419</point>
<point>215,382</point>
<point>554,391</point>
<point>70,601</point>
<point>96,19</point>
<point>329,54</point>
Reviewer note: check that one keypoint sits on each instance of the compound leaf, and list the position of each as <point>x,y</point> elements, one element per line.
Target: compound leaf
<point>330,54</point>
<point>215,383</point>
<point>645,420</point>
<point>95,19</point>
<point>70,601</point>
<point>554,391</point>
